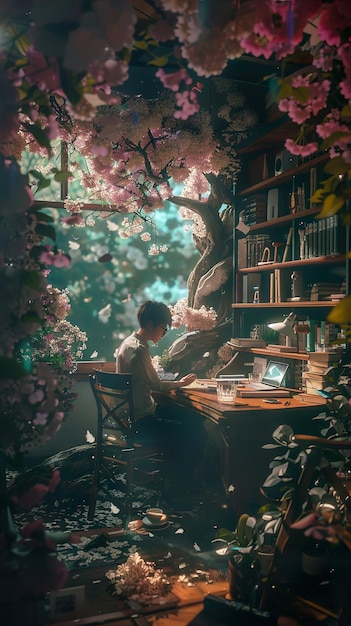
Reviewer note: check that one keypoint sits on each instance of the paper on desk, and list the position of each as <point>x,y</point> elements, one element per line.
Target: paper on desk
<point>203,384</point>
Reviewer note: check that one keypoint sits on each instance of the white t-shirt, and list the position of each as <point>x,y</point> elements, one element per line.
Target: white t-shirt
<point>133,357</point>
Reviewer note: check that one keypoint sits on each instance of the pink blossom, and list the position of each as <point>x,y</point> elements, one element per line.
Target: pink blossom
<point>163,29</point>
<point>301,149</point>
<point>345,54</point>
<point>109,72</point>
<point>40,419</point>
<point>59,415</point>
<point>332,22</point>
<point>28,500</point>
<point>306,522</point>
<point>42,71</point>
<point>187,103</point>
<point>58,260</point>
<point>99,150</point>
<point>54,482</point>
<point>73,220</point>
<point>52,128</point>
<point>37,396</point>
<point>346,155</point>
<point>47,257</point>
<point>61,260</point>
<point>172,81</point>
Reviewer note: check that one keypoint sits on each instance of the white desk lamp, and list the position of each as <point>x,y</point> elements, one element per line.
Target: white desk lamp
<point>286,327</point>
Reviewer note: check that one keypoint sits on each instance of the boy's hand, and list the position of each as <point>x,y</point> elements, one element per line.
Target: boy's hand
<point>187,380</point>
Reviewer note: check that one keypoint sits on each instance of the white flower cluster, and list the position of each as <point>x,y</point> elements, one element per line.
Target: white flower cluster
<point>192,319</point>
<point>73,206</point>
<point>155,250</point>
<point>138,579</point>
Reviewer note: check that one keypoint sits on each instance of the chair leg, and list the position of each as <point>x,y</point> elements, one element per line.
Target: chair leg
<point>94,487</point>
<point>128,508</point>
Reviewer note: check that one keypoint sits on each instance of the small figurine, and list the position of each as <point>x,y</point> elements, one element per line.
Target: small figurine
<point>296,285</point>
<point>256,296</point>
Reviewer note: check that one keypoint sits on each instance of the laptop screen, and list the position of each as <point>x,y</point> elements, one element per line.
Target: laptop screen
<point>275,373</point>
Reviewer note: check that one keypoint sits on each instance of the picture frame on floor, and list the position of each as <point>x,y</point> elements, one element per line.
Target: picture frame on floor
<point>67,602</point>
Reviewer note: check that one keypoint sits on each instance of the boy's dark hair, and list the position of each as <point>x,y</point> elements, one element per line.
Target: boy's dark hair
<point>155,312</point>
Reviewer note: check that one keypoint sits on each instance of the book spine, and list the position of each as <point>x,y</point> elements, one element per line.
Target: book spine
<point>287,249</point>
<point>311,336</point>
<point>271,287</point>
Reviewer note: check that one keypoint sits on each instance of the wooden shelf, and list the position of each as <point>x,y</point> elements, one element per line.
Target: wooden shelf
<point>284,219</point>
<point>297,356</point>
<point>306,304</point>
<point>317,260</point>
<point>275,181</point>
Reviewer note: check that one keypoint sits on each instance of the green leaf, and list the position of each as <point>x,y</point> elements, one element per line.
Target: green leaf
<point>340,314</point>
<point>159,62</point>
<point>44,230</point>
<point>38,134</point>
<point>346,111</point>
<point>71,84</point>
<point>302,94</point>
<point>31,317</point>
<point>331,205</point>
<point>32,279</point>
<point>43,217</point>
<point>10,368</point>
<point>61,176</point>
<point>286,91</point>
<point>141,45</point>
<point>333,138</point>
<point>337,167</point>
<point>318,196</point>
<point>283,434</point>
<point>43,182</point>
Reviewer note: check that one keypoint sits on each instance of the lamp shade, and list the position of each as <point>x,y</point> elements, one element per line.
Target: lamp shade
<point>286,327</point>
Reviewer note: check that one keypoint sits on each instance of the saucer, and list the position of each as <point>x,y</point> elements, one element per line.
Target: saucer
<point>163,521</point>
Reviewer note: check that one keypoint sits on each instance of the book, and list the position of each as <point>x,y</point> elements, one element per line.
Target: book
<point>247,342</point>
<point>326,356</point>
<point>260,393</point>
<point>287,250</point>
<point>312,386</point>
<point>279,348</point>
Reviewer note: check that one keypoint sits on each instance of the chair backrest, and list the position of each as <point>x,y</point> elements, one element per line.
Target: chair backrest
<point>113,394</point>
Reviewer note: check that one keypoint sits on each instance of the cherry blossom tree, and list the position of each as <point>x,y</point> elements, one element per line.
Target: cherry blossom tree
<point>65,67</point>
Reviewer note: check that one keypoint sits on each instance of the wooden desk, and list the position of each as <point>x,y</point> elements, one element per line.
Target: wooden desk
<point>238,432</point>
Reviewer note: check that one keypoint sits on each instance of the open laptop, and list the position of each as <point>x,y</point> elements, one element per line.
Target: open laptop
<point>272,378</point>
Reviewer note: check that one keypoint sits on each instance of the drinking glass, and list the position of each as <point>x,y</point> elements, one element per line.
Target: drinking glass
<point>226,390</point>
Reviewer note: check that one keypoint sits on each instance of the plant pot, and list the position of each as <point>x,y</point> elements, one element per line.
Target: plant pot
<point>242,577</point>
<point>315,561</point>
<point>265,558</point>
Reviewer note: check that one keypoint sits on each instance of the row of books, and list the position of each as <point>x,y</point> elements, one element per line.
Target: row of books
<point>253,209</point>
<point>320,238</point>
<point>333,291</point>
<point>318,364</point>
<point>253,249</point>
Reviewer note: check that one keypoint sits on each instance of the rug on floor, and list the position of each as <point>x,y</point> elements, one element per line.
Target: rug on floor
<point>186,538</point>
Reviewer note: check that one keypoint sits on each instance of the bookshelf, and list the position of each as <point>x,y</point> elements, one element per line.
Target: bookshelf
<point>287,259</point>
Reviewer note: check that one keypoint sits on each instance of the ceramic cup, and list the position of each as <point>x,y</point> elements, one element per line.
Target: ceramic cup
<point>155,515</point>
<point>226,390</point>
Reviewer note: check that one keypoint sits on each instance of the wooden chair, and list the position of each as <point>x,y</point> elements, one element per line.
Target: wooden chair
<point>115,440</point>
<point>288,545</point>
